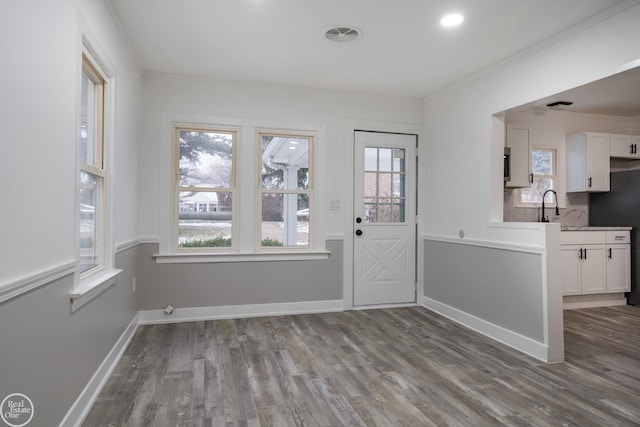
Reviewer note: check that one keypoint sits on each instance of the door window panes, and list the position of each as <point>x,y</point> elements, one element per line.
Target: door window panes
<point>384,185</point>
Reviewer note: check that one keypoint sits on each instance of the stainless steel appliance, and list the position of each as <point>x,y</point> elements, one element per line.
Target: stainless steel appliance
<point>507,164</point>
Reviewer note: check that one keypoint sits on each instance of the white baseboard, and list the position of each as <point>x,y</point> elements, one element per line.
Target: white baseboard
<point>571,302</point>
<point>377,306</point>
<point>81,407</point>
<point>512,339</point>
<point>192,314</point>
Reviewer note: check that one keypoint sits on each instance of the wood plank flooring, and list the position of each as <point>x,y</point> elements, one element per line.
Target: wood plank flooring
<point>387,367</point>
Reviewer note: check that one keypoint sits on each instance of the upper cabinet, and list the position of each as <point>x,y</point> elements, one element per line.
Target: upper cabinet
<point>588,162</point>
<point>518,141</point>
<point>624,146</point>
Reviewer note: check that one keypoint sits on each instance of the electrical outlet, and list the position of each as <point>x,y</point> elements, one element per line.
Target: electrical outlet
<point>134,284</point>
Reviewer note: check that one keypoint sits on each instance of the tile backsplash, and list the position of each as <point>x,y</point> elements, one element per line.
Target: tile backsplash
<point>575,214</point>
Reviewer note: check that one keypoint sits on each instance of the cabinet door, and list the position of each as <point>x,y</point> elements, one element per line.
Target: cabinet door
<point>571,264</point>
<point>618,268</point>
<point>518,141</point>
<point>597,162</point>
<point>594,278</point>
<point>622,146</point>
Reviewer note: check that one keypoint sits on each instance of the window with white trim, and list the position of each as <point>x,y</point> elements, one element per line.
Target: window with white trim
<point>208,189</point>
<point>92,170</point>
<point>286,189</point>
<point>544,172</point>
<point>204,193</point>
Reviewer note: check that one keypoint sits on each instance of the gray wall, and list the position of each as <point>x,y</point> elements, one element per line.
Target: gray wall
<point>49,353</point>
<point>498,286</point>
<point>238,283</point>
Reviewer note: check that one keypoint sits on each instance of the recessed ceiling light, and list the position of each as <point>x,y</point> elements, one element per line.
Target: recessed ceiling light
<point>452,20</point>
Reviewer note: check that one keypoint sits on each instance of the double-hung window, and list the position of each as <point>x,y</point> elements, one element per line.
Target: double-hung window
<point>268,173</point>
<point>205,188</point>
<point>544,177</point>
<point>92,169</point>
<point>285,189</point>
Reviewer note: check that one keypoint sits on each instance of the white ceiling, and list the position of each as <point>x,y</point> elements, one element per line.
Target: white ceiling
<point>403,51</point>
<point>618,95</point>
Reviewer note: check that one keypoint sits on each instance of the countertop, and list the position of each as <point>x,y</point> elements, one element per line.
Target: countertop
<point>592,228</point>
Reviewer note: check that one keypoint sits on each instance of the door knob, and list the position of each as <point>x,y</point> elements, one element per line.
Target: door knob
<point>358,232</point>
<point>358,220</point>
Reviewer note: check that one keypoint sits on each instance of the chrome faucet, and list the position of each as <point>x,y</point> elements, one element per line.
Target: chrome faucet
<point>557,210</point>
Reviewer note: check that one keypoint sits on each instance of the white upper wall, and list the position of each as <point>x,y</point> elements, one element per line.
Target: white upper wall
<point>37,149</point>
<point>39,110</point>
<point>251,101</point>
<point>125,148</point>
<point>463,165</point>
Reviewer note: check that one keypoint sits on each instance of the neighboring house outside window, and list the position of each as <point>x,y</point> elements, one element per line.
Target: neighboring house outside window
<point>207,191</point>
<point>205,187</point>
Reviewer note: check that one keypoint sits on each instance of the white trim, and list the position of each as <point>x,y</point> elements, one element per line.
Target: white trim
<point>192,314</point>
<point>129,244</point>
<point>531,249</point>
<point>336,236</point>
<point>196,258</point>
<point>571,302</point>
<point>81,407</point>
<point>245,174</point>
<point>149,240</point>
<point>379,306</point>
<point>13,288</point>
<point>350,126</point>
<point>512,339</point>
<point>93,287</point>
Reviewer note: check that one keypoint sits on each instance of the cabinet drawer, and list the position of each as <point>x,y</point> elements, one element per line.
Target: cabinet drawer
<point>582,237</point>
<point>618,237</point>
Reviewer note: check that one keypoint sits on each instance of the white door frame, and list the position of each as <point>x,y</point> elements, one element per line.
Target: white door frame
<point>350,126</point>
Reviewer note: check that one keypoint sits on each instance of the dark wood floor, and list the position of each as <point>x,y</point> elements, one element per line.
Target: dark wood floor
<point>389,367</point>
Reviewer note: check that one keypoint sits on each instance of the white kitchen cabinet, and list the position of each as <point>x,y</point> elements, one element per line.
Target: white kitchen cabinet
<point>571,269</point>
<point>587,162</point>
<point>618,261</point>
<point>584,269</point>
<point>624,146</point>
<point>595,262</point>
<point>594,270</point>
<point>518,142</point>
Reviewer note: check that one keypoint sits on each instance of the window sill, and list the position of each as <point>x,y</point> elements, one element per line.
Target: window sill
<point>92,287</point>
<point>191,258</point>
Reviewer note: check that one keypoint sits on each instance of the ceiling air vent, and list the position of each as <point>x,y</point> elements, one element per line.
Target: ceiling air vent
<point>342,34</point>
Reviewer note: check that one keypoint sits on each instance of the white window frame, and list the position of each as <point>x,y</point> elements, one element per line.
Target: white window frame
<point>90,283</point>
<point>312,137</point>
<point>177,127</point>
<point>98,167</point>
<point>247,241</point>
<point>558,184</point>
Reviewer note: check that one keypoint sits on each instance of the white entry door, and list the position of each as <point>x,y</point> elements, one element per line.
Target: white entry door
<point>384,219</point>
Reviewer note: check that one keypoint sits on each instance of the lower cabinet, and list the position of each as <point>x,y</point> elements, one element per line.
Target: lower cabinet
<point>618,268</point>
<point>595,262</point>
<point>584,269</point>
